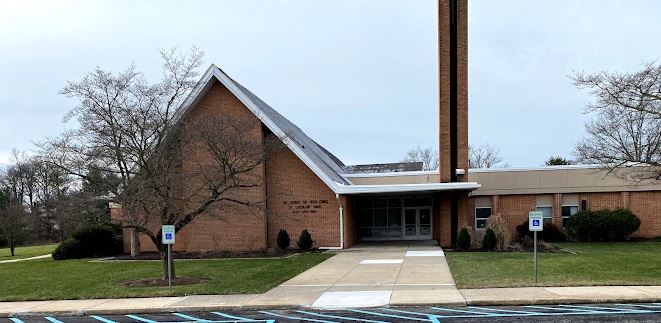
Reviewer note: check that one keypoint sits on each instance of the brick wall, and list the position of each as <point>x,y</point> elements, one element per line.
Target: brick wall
<point>514,208</point>
<point>298,199</point>
<point>646,206</point>
<point>225,226</point>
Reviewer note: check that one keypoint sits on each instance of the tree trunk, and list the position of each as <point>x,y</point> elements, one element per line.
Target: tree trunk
<point>135,243</point>
<point>11,249</point>
<point>164,257</point>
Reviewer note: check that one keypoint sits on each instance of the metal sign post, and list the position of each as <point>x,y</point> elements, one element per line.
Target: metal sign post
<point>167,237</point>
<point>535,223</point>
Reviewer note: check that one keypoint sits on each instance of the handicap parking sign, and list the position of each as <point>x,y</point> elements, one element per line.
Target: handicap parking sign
<point>535,221</point>
<point>167,234</point>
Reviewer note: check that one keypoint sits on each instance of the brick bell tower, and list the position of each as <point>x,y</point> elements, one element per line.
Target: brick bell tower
<point>453,104</point>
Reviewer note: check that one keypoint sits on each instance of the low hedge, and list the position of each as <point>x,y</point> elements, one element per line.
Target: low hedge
<point>602,225</point>
<point>550,232</point>
<point>90,241</point>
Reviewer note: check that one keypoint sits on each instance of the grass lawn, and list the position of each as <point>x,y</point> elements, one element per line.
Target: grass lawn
<point>27,252</point>
<point>80,279</point>
<point>625,263</point>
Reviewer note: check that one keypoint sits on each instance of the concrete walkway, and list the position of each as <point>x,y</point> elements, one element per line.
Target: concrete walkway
<point>371,274</point>
<point>379,274</point>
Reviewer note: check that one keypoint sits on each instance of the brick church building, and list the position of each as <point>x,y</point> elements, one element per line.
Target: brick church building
<point>306,187</point>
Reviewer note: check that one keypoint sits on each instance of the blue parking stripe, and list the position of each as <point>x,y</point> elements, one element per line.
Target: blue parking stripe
<point>567,310</point>
<point>243,319</point>
<point>52,319</point>
<point>504,311</point>
<point>599,308</point>
<point>476,313</point>
<point>142,319</point>
<point>339,317</point>
<point>15,320</point>
<point>104,320</point>
<point>640,305</point>
<point>188,317</point>
<point>390,315</point>
<point>296,318</point>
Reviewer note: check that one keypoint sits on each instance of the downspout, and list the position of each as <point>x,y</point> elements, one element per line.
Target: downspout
<point>339,203</point>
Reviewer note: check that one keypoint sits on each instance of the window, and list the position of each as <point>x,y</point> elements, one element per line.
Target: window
<point>567,211</point>
<point>547,211</point>
<point>481,216</point>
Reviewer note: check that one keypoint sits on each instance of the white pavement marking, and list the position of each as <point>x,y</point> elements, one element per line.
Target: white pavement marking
<point>336,300</point>
<point>438,253</point>
<point>381,261</point>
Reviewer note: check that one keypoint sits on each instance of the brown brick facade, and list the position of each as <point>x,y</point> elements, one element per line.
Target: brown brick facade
<point>514,208</point>
<point>298,199</point>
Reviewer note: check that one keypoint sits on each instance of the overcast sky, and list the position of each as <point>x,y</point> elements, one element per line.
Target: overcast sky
<point>358,76</point>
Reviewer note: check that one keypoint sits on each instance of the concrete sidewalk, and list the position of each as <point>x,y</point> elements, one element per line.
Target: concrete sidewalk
<point>379,274</point>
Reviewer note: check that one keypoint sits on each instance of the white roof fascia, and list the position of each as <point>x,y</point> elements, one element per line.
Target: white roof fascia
<point>538,168</point>
<point>224,79</point>
<point>392,174</point>
<point>360,189</point>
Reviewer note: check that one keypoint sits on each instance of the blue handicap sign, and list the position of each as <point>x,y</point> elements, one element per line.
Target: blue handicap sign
<point>535,223</point>
<point>168,236</point>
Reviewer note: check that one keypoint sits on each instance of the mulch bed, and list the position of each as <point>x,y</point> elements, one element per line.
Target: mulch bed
<point>158,282</point>
<point>540,248</point>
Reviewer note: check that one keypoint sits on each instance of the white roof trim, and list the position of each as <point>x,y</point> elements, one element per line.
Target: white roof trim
<point>431,187</point>
<point>538,168</point>
<point>389,174</point>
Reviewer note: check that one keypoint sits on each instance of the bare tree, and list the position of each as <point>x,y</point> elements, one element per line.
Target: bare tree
<point>624,136</point>
<point>12,220</point>
<point>123,119</point>
<point>170,168</point>
<point>484,156</point>
<point>428,156</point>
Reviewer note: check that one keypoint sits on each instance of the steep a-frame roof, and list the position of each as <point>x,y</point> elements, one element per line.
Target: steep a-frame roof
<point>324,164</point>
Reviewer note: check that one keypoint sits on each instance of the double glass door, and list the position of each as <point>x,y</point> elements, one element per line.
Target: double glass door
<point>417,223</point>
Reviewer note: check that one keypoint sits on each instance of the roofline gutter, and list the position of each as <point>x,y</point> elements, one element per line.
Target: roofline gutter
<point>408,188</point>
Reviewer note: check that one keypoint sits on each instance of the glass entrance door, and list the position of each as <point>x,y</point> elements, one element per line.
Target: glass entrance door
<point>410,223</point>
<point>417,224</point>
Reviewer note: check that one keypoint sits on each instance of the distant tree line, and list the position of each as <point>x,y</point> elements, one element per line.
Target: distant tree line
<point>39,203</point>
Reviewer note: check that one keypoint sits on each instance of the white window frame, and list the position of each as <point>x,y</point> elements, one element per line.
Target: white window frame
<point>546,218</point>
<point>564,218</point>
<point>482,219</point>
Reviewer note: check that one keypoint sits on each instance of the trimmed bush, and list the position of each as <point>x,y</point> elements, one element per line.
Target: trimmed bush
<point>602,225</point>
<point>550,233</point>
<point>69,249</point>
<point>490,241</point>
<point>499,227</point>
<point>305,241</point>
<point>463,239</point>
<point>283,240</point>
<point>99,240</point>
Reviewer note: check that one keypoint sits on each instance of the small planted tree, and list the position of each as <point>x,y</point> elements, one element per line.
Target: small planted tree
<point>305,240</point>
<point>463,239</point>
<point>490,241</point>
<point>499,227</point>
<point>283,240</point>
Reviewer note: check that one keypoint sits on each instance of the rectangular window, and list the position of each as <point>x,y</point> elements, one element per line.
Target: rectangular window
<point>547,211</point>
<point>567,211</point>
<point>481,216</point>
